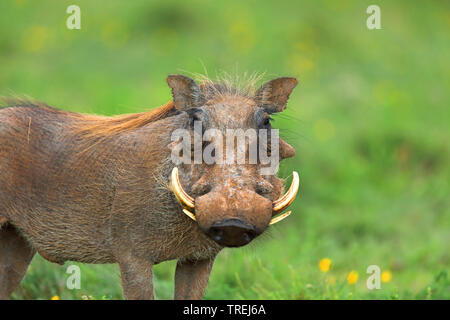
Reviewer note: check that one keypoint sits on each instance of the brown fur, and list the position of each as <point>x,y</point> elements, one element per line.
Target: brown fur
<point>94,189</point>
<point>100,126</point>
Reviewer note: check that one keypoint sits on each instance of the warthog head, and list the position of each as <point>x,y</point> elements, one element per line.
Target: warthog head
<point>226,157</point>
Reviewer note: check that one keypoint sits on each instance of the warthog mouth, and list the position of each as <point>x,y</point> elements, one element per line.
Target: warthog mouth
<point>278,206</point>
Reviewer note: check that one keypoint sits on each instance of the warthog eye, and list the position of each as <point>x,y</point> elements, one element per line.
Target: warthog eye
<point>196,117</point>
<point>266,121</point>
<point>196,114</point>
<point>263,187</point>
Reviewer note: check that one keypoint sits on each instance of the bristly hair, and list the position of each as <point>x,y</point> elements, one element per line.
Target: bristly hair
<point>96,125</point>
<point>105,126</point>
<point>99,128</point>
<point>226,84</point>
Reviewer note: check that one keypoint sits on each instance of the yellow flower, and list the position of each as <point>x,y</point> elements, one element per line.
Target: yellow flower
<point>324,264</point>
<point>386,276</point>
<point>352,277</point>
<point>55,298</point>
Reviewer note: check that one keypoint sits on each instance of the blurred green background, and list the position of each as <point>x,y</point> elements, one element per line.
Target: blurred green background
<point>369,121</point>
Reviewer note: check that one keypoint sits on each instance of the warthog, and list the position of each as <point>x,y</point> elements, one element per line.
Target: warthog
<point>99,189</point>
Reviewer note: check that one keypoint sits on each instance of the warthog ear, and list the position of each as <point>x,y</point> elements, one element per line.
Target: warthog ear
<point>185,92</point>
<point>273,95</point>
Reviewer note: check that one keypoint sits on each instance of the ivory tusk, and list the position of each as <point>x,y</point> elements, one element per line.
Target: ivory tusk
<point>286,200</point>
<point>181,195</point>
<point>279,218</point>
<point>189,214</point>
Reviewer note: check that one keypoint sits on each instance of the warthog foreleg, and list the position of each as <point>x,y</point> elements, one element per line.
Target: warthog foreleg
<point>15,256</point>
<point>191,278</point>
<point>137,278</point>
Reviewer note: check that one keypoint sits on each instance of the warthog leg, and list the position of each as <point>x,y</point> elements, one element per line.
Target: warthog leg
<point>15,256</point>
<point>191,279</point>
<point>137,278</point>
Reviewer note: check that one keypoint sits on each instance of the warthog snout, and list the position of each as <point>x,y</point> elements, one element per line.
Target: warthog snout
<point>233,213</point>
<point>232,217</point>
<point>232,232</point>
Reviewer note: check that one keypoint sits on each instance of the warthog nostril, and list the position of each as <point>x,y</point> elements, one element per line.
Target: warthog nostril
<point>232,232</point>
<point>247,237</point>
<point>216,233</point>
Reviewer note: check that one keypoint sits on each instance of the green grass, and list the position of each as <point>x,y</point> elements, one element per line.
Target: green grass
<point>369,121</point>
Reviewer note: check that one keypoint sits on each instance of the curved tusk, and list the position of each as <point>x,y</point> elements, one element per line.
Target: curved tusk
<point>189,214</point>
<point>181,195</point>
<point>286,200</point>
<point>279,218</point>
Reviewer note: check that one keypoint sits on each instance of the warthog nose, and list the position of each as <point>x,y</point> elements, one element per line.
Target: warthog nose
<point>232,233</point>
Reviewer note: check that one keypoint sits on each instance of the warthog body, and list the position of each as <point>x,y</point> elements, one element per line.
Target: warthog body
<point>96,189</point>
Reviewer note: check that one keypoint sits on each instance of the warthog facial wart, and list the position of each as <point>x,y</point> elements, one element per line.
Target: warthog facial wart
<point>241,147</point>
